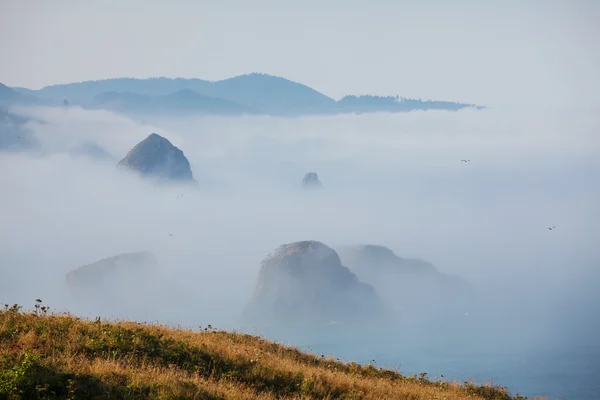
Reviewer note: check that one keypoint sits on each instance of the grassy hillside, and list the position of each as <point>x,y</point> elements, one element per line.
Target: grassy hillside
<point>61,356</point>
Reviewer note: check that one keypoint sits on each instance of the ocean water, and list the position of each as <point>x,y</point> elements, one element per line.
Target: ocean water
<point>556,372</point>
<point>566,373</point>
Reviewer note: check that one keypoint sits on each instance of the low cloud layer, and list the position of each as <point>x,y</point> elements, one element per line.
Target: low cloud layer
<point>391,179</point>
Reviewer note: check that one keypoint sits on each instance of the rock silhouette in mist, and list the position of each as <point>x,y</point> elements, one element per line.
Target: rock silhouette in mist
<point>91,151</point>
<point>371,261</point>
<point>311,181</point>
<point>128,285</point>
<point>111,270</point>
<point>156,158</point>
<point>305,282</point>
<point>414,287</point>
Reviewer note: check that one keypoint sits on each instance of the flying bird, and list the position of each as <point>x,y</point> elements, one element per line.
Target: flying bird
<point>550,228</point>
<point>465,160</point>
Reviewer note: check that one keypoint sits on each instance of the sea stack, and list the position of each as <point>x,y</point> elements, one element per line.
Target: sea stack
<point>413,287</point>
<point>305,283</point>
<point>128,285</point>
<point>158,159</point>
<point>112,270</point>
<point>311,181</point>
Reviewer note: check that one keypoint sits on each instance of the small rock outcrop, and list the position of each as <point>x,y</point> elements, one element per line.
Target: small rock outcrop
<point>113,269</point>
<point>305,282</point>
<point>311,181</point>
<point>157,158</point>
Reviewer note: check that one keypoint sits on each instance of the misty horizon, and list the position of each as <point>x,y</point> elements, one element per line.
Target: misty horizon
<point>435,193</point>
<point>251,94</point>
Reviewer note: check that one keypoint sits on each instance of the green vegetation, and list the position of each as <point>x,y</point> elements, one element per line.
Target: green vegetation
<point>44,356</point>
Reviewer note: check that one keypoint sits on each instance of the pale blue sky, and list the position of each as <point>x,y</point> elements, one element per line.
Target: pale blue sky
<point>487,52</point>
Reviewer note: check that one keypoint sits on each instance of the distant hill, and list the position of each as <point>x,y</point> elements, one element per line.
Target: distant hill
<point>10,97</point>
<point>273,95</point>
<point>83,93</point>
<point>262,93</point>
<point>184,101</point>
<point>23,90</point>
<point>364,104</point>
<point>256,93</point>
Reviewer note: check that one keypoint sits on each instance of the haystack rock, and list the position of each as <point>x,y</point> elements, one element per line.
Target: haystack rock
<point>413,286</point>
<point>305,283</point>
<point>155,157</point>
<point>311,181</point>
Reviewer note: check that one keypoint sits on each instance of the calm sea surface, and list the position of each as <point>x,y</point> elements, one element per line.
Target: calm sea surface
<point>568,372</point>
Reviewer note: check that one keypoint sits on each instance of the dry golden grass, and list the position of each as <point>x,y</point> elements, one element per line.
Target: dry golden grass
<point>61,356</point>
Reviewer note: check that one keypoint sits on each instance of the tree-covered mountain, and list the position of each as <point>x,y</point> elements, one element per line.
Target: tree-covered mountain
<point>365,104</point>
<point>83,93</point>
<point>255,93</point>
<point>184,101</point>
<point>10,97</point>
<point>272,95</point>
<point>262,93</point>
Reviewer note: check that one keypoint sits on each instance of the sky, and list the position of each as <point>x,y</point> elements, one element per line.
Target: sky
<point>492,53</point>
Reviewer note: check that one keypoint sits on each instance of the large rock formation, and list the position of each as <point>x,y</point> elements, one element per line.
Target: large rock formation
<point>373,260</point>
<point>129,285</point>
<point>305,283</point>
<point>113,270</point>
<point>311,181</point>
<point>413,287</point>
<point>156,158</point>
